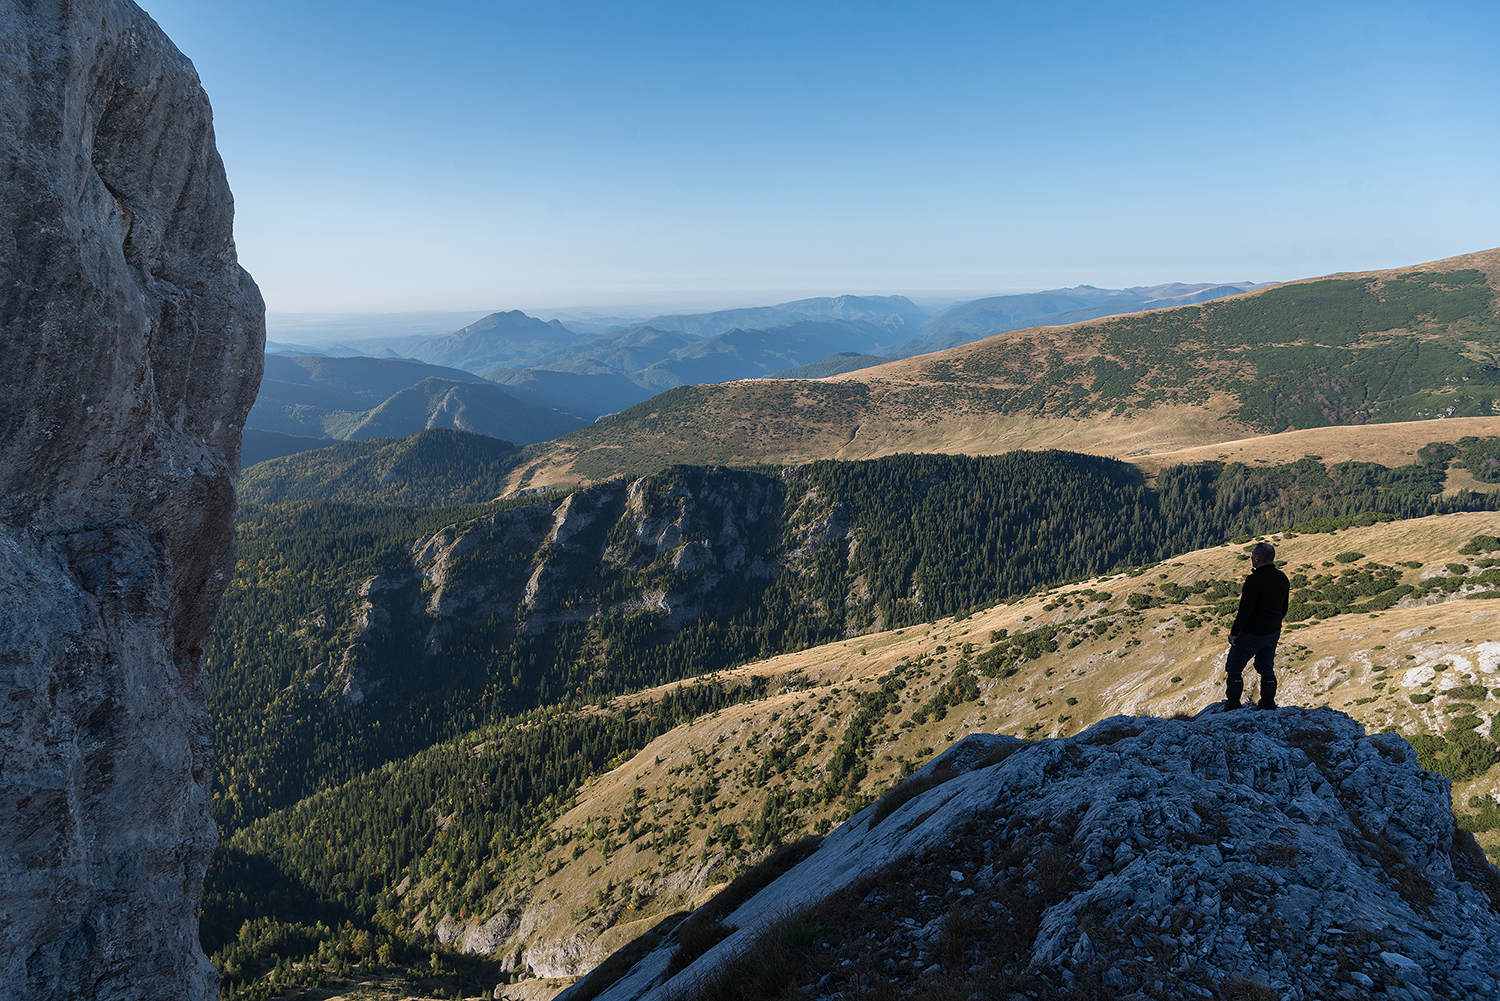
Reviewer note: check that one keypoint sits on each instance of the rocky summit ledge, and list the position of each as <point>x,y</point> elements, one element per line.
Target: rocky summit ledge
<point>1281,854</point>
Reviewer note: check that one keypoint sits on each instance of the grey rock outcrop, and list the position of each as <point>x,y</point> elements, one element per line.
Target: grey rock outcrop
<point>1155,858</point>
<point>700,533</point>
<point>134,346</point>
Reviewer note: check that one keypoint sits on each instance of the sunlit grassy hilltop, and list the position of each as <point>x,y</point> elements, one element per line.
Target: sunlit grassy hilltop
<point>1349,349</point>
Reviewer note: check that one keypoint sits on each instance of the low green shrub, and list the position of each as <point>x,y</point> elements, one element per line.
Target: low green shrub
<point>1463,755</point>
<point>1237,988</point>
<point>1486,817</point>
<point>1480,544</point>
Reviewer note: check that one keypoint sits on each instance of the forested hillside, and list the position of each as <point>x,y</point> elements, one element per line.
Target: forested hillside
<point>433,468</point>
<point>356,634</point>
<point>462,838</point>
<point>1387,346</point>
<point>1337,351</point>
<point>360,398</point>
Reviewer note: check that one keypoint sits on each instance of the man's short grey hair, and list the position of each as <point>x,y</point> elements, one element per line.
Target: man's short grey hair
<point>1263,552</point>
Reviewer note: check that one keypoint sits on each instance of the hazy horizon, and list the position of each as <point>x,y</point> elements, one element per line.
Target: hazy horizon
<point>311,328</point>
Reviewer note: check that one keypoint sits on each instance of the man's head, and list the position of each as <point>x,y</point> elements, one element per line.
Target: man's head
<point>1263,555</point>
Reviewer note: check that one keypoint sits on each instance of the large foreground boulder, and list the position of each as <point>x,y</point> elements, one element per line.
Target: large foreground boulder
<point>1284,854</point>
<point>133,345</point>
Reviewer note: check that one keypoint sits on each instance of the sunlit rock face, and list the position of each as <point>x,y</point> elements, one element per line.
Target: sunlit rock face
<point>133,345</point>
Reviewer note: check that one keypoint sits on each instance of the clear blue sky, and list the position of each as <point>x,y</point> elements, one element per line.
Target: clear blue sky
<point>479,155</point>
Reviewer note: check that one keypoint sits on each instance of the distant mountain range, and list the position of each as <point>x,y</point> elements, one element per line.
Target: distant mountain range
<point>498,339</point>
<point>1397,345</point>
<point>329,351</point>
<point>892,313</point>
<point>482,408</point>
<point>319,398</point>
<point>834,364</point>
<point>1385,346</point>
<point>602,368</point>
<point>588,396</point>
<point>970,321</point>
<point>658,359</point>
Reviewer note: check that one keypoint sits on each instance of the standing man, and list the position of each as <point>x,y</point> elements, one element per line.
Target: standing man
<point>1257,627</point>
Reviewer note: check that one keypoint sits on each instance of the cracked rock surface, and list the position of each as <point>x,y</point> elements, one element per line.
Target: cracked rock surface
<point>134,344</point>
<point>1287,852</point>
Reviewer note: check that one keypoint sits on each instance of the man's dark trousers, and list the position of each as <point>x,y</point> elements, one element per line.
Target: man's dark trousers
<point>1263,649</point>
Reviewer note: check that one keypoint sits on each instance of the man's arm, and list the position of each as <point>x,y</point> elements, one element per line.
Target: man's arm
<point>1248,595</point>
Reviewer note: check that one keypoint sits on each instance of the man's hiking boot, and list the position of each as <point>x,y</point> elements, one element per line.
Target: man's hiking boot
<point>1232,692</point>
<point>1267,696</point>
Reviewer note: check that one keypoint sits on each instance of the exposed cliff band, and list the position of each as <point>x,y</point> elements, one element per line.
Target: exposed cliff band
<point>134,340</point>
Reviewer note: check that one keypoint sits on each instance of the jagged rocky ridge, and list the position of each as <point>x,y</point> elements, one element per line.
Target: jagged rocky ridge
<point>1143,858</point>
<point>756,562</point>
<point>135,344</point>
<point>664,545</point>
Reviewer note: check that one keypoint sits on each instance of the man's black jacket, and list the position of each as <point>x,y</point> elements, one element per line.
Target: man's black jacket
<point>1262,602</point>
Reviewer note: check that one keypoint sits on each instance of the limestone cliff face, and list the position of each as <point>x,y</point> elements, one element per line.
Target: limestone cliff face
<point>133,348</point>
<point>670,544</point>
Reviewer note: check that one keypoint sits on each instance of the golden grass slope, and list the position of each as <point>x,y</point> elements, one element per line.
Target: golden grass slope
<point>911,405</point>
<point>1387,444</point>
<point>599,890</point>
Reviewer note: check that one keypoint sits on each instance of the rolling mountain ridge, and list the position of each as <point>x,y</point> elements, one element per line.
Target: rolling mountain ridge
<point>496,340</point>
<point>835,364</point>
<point>343,398</point>
<point>1388,346</point>
<point>515,735</point>
<point>588,395</point>
<point>891,314</point>
<point>481,408</point>
<point>969,321</point>
<point>627,364</point>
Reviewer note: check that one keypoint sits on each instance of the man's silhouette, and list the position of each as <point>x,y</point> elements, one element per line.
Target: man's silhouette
<point>1257,627</point>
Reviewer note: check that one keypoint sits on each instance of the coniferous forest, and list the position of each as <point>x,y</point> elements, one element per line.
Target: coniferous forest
<point>349,660</point>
